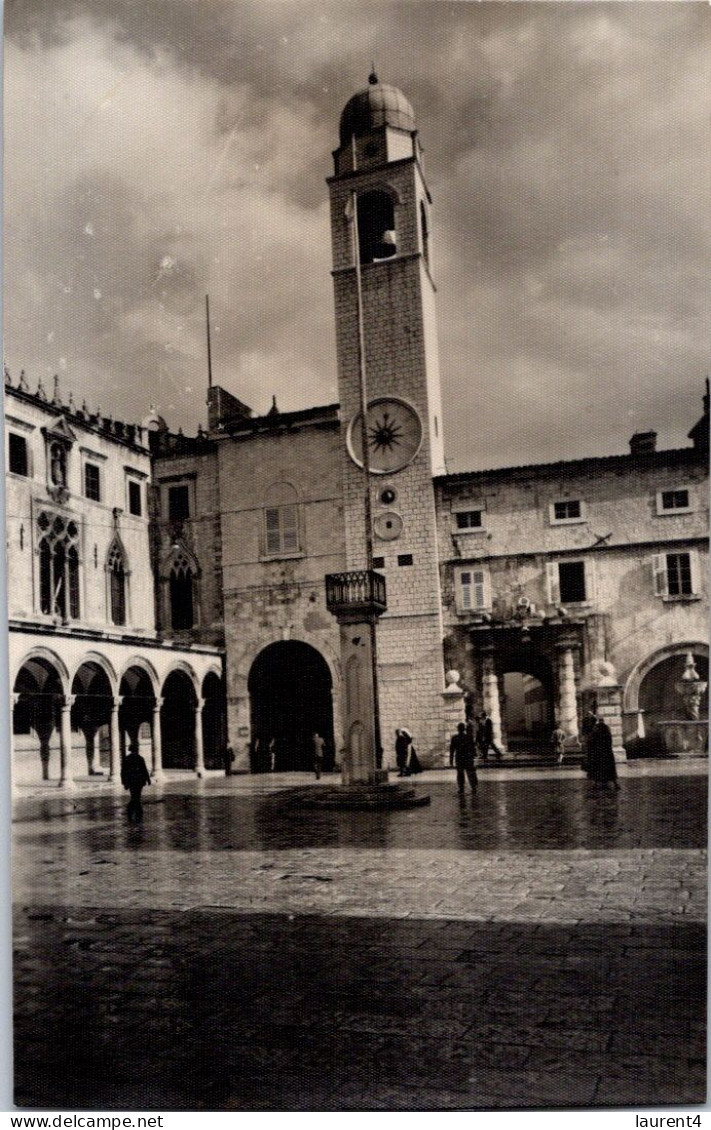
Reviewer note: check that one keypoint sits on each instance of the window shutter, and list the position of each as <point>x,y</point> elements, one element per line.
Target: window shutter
<point>553,583</point>
<point>290,529</point>
<point>590,581</point>
<point>659,566</point>
<point>478,589</point>
<point>695,572</point>
<point>465,590</point>
<point>272,528</point>
<point>486,589</point>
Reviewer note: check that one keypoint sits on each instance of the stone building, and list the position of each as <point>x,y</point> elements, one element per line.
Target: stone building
<point>525,580</point>
<point>89,672</point>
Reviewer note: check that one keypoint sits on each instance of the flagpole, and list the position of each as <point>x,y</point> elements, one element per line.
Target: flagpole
<point>368,507</point>
<point>209,350</point>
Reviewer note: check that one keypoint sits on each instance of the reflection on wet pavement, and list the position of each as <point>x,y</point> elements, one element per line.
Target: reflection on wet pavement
<point>509,815</point>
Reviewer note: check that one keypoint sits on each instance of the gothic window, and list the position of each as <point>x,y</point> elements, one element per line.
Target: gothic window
<point>58,538</point>
<point>117,584</point>
<point>376,226</point>
<point>180,584</point>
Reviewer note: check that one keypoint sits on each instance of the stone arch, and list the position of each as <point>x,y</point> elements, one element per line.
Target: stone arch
<point>100,661</point>
<point>291,698</point>
<point>180,694</point>
<point>39,689</point>
<point>638,673</point>
<point>50,657</point>
<point>213,718</point>
<point>185,669</point>
<point>145,666</point>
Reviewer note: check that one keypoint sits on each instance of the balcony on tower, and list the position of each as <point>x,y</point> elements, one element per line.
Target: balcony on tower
<point>356,596</point>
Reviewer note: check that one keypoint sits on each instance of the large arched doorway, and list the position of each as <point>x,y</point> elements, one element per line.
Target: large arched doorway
<point>526,703</point>
<point>91,712</point>
<point>136,710</point>
<point>177,720</point>
<point>290,691</point>
<point>213,725</point>
<point>37,699</point>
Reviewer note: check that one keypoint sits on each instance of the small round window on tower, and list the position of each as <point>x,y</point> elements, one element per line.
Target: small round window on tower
<point>387,496</point>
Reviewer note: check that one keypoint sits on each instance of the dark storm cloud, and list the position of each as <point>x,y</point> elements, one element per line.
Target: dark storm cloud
<point>179,148</point>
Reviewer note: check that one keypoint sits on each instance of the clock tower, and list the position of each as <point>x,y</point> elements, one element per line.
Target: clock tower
<point>385,315</point>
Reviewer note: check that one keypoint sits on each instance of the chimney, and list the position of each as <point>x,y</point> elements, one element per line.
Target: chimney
<point>643,443</point>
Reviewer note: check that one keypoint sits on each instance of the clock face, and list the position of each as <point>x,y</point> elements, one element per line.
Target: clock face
<point>394,435</point>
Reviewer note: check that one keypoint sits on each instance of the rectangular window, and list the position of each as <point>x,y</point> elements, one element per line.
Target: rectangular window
<point>134,498</point>
<point>679,574</point>
<point>178,502</point>
<point>677,501</point>
<point>405,559</point>
<point>567,510</point>
<point>472,590</point>
<point>92,482</point>
<point>468,519</point>
<point>378,562</point>
<point>282,530</point>
<point>571,578</point>
<point>676,574</point>
<point>17,452</point>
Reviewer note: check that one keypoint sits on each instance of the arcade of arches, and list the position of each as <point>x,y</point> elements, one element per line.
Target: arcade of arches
<point>291,697</point>
<point>63,730</point>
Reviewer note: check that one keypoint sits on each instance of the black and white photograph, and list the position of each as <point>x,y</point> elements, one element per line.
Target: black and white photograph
<point>356,436</point>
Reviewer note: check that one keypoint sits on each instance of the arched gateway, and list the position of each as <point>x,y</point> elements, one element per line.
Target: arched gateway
<point>290,691</point>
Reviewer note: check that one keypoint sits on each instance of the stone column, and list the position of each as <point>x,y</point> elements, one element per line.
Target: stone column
<point>156,743</point>
<point>567,702</point>
<point>199,750</point>
<point>66,768</point>
<point>609,709</point>
<point>454,712</point>
<point>115,740</point>
<point>490,693</point>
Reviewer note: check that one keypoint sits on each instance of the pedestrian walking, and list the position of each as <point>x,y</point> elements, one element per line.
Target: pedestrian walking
<point>461,756</point>
<point>403,739</point>
<point>319,746</point>
<point>558,744</point>
<point>485,737</point>
<point>134,776</point>
<point>228,758</point>
<point>601,758</point>
<point>413,765</point>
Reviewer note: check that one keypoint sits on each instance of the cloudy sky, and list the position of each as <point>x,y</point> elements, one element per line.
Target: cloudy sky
<point>159,150</point>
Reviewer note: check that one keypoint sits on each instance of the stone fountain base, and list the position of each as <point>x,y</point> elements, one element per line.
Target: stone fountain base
<point>687,738</point>
<point>354,797</point>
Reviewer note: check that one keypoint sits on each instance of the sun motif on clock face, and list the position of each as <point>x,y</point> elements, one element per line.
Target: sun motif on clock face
<point>393,434</point>
<point>386,433</point>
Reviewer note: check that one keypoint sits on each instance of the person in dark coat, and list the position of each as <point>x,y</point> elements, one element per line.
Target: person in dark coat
<point>134,776</point>
<point>228,758</point>
<point>403,738</point>
<point>600,756</point>
<point>485,737</point>
<point>461,756</point>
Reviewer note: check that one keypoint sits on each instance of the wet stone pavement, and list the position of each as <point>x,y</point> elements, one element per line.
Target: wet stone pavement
<point>539,945</point>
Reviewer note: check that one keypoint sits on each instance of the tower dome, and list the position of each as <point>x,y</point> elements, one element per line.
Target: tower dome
<point>376,106</point>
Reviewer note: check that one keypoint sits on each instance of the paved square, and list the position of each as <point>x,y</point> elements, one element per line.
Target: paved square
<point>540,945</point>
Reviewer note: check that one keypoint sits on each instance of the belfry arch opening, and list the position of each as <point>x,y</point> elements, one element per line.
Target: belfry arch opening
<point>290,690</point>
<point>376,226</point>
